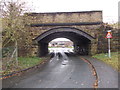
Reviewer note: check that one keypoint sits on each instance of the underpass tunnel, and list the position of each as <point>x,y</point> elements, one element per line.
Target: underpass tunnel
<point>42,49</point>
<point>80,40</point>
<point>82,47</point>
<point>60,45</point>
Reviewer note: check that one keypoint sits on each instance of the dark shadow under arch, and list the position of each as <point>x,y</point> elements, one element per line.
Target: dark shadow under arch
<point>80,39</point>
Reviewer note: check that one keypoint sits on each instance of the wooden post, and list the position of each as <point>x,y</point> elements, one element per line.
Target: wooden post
<point>16,45</point>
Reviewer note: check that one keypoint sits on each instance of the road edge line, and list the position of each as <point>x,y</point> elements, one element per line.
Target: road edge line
<point>95,85</point>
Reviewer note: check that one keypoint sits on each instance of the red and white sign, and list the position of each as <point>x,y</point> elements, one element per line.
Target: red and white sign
<point>109,35</point>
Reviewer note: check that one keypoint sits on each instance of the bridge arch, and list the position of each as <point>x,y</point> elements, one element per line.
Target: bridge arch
<point>81,39</point>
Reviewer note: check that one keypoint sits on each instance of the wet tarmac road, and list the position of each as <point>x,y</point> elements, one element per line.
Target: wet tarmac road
<point>61,72</point>
<point>68,71</point>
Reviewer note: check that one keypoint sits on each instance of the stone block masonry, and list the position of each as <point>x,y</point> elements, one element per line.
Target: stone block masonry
<point>77,26</point>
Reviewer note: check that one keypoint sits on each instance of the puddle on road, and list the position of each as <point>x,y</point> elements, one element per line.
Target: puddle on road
<point>63,63</point>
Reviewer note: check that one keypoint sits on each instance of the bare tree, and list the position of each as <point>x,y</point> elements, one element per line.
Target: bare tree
<point>14,31</point>
<point>14,22</point>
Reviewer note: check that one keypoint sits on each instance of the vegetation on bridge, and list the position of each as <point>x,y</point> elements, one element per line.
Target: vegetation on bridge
<point>113,61</point>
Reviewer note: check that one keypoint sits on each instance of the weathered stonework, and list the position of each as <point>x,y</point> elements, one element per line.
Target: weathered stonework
<point>66,17</point>
<point>103,41</point>
<point>88,23</point>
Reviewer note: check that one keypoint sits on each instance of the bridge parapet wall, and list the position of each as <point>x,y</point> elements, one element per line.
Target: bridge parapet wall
<point>65,17</point>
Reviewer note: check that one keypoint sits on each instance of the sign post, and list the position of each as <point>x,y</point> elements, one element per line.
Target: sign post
<point>109,35</point>
<point>109,52</point>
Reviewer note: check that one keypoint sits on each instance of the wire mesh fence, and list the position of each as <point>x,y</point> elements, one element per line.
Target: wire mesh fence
<point>9,59</point>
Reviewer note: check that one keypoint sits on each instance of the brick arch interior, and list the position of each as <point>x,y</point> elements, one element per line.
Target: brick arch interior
<point>81,39</point>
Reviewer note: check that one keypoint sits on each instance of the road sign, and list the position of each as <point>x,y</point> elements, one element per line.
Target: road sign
<point>109,35</point>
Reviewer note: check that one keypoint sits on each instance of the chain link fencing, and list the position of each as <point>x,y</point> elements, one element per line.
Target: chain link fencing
<point>9,59</point>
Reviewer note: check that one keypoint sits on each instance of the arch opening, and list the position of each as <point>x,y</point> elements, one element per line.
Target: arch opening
<point>81,40</point>
<point>60,44</point>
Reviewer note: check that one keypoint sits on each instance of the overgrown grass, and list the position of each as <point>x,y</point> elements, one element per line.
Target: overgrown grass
<point>26,62</point>
<point>113,61</point>
<point>23,63</point>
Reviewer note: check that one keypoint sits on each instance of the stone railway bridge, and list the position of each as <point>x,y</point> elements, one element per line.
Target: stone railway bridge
<point>82,28</point>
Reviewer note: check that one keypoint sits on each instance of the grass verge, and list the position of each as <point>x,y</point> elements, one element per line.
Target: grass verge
<point>113,61</point>
<point>26,62</point>
<point>23,63</point>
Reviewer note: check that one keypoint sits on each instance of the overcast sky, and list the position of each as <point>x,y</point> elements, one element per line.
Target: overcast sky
<point>109,7</point>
